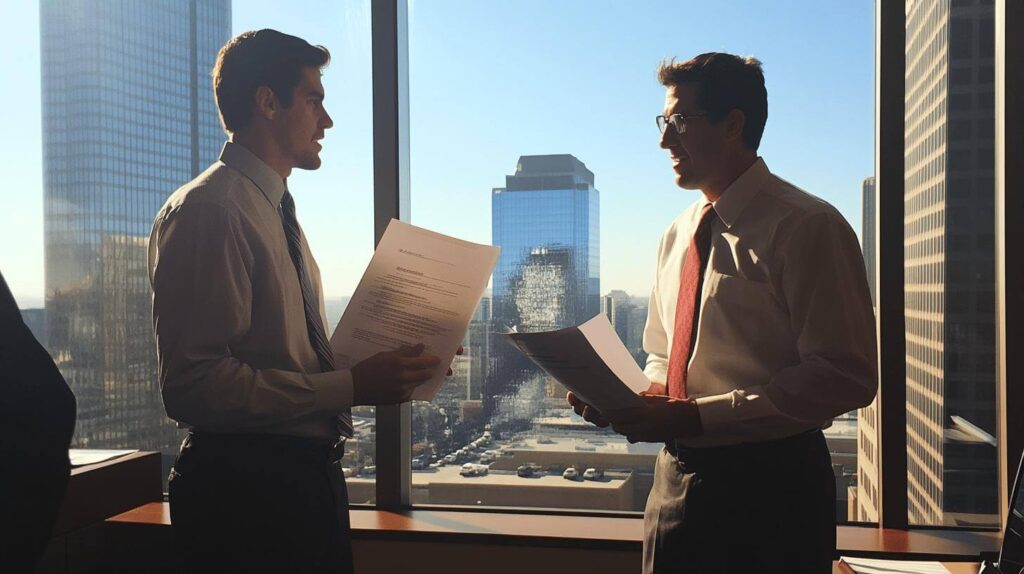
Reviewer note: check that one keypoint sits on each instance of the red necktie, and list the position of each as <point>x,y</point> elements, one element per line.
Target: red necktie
<point>688,304</point>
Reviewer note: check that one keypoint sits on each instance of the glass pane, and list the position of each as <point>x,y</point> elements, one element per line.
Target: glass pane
<point>335,202</point>
<point>101,142</point>
<point>950,264</point>
<point>532,128</point>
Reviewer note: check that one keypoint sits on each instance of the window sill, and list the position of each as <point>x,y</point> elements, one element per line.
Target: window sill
<point>624,534</point>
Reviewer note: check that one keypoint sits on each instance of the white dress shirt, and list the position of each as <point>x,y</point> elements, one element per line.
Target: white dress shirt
<point>232,341</point>
<point>786,335</point>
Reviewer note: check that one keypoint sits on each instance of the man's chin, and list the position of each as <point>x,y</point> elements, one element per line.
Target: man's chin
<point>685,182</point>
<point>310,163</point>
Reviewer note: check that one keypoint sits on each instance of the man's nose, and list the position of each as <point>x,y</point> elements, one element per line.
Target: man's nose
<point>668,137</point>
<point>328,123</point>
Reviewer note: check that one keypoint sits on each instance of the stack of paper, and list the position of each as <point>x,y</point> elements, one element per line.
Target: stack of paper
<point>871,566</point>
<point>82,457</point>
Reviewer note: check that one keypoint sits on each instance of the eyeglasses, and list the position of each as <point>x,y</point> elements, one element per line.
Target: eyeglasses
<point>677,121</point>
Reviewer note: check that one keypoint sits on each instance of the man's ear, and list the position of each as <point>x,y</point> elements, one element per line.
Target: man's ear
<point>734,122</point>
<point>266,103</point>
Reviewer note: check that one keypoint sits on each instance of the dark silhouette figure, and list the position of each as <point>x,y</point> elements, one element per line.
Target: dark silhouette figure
<point>37,419</point>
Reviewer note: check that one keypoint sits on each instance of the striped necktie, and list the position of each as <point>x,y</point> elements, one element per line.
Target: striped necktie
<point>688,304</point>
<point>314,325</point>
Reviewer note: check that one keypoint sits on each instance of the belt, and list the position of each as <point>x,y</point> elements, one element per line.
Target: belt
<point>318,448</point>
<point>749,452</point>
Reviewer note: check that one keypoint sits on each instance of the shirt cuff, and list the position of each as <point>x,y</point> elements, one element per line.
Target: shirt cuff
<point>333,390</point>
<point>656,373</point>
<point>717,411</point>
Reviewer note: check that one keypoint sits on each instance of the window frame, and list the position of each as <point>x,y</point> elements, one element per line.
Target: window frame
<point>390,48</point>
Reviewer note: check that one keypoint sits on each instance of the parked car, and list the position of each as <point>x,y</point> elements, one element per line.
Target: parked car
<point>348,471</point>
<point>593,474</point>
<point>470,469</point>
<point>449,459</point>
<point>570,474</point>
<point>527,470</point>
<point>368,470</point>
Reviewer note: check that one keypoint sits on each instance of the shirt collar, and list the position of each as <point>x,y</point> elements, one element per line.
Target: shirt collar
<point>739,193</point>
<point>236,156</point>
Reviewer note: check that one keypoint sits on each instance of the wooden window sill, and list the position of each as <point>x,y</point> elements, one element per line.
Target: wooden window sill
<point>465,527</point>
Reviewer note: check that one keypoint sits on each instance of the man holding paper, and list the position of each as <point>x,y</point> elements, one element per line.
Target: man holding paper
<point>245,360</point>
<point>760,331</point>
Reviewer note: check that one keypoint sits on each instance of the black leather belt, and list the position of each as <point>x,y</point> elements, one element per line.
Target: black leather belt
<point>331,451</point>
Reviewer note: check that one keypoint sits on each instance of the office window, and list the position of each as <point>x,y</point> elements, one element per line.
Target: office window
<point>950,272</point>
<point>111,120</point>
<point>334,204</point>
<point>532,127</point>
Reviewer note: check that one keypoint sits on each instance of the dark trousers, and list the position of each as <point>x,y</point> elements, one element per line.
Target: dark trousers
<point>259,503</point>
<point>757,507</point>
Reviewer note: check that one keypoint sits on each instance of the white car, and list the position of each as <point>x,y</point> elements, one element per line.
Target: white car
<point>593,474</point>
<point>470,469</point>
<point>570,474</point>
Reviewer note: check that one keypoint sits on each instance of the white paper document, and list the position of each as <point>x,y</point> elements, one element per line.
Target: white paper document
<point>82,457</point>
<point>420,287</point>
<point>590,361</point>
<point>872,566</point>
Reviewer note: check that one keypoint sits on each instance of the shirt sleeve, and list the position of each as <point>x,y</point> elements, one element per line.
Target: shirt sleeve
<point>655,341</point>
<point>201,265</point>
<point>820,273</point>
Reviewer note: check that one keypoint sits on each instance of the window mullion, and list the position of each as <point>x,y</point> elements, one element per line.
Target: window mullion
<point>890,37</point>
<point>391,201</point>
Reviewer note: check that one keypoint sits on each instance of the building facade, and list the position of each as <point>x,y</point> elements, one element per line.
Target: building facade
<point>546,221</point>
<point>949,262</point>
<point>128,117</point>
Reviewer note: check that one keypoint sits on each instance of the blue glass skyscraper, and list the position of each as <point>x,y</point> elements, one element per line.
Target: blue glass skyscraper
<point>128,117</point>
<point>546,221</point>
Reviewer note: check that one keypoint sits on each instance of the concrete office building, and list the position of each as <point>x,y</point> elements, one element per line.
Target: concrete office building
<point>863,499</point>
<point>949,261</point>
<point>128,116</point>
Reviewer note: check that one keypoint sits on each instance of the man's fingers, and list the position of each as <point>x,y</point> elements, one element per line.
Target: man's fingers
<point>420,362</point>
<point>593,416</point>
<point>416,375</point>
<point>410,351</point>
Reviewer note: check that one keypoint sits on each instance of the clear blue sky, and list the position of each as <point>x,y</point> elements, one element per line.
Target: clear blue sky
<point>495,79</point>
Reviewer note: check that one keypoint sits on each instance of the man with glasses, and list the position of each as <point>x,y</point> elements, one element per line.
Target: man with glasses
<point>760,331</point>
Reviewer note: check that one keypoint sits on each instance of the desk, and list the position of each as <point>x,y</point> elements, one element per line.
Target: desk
<point>96,492</point>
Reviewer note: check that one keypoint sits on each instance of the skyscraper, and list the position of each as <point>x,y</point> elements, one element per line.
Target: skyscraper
<point>949,261</point>
<point>546,221</point>
<point>869,235</point>
<point>128,116</point>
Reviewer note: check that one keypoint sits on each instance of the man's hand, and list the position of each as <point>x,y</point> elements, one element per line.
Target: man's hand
<point>390,377</point>
<point>663,419</point>
<point>458,351</point>
<point>586,411</point>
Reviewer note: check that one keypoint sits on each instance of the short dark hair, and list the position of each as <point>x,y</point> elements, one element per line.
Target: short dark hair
<point>725,82</point>
<point>260,58</point>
